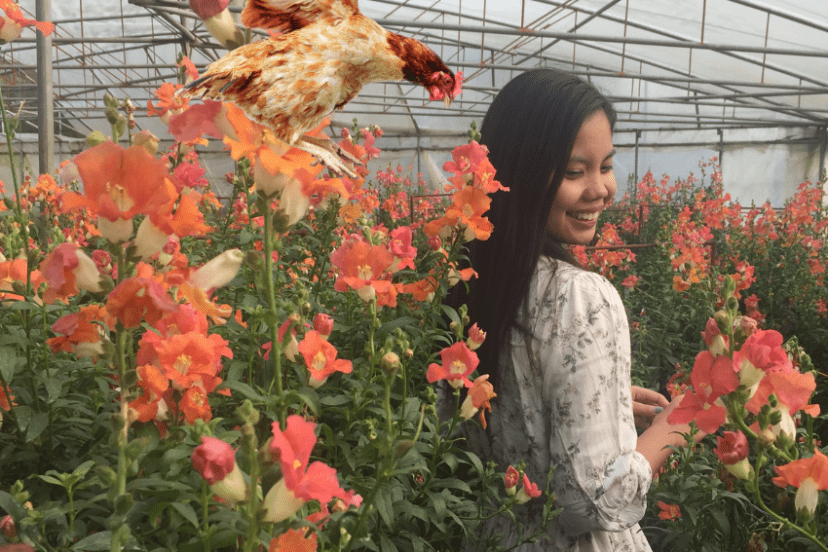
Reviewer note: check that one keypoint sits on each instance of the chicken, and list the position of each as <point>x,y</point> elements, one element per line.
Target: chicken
<point>327,51</point>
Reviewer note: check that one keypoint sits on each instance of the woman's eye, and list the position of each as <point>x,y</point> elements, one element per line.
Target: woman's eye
<point>572,174</point>
<point>606,168</point>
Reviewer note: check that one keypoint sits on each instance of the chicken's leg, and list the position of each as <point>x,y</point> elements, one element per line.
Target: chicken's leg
<point>329,154</point>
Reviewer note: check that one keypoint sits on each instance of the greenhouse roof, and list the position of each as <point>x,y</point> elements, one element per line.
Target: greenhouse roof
<point>711,74</point>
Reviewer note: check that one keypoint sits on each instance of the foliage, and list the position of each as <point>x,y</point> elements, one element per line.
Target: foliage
<point>179,374</point>
<point>675,252</point>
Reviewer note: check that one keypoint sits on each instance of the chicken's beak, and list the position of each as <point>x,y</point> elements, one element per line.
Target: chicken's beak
<point>447,100</point>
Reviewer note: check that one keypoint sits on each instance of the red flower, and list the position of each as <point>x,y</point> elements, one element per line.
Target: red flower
<point>668,511</point>
<point>458,364</point>
<point>712,377</point>
<point>301,482</point>
<point>731,448</point>
<point>320,358</point>
<point>528,491</point>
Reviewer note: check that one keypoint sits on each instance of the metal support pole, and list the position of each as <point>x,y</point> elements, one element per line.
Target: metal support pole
<point>635,181</point>
<point>45,94</point>
<point>823,145</point>
<point>721,147</point>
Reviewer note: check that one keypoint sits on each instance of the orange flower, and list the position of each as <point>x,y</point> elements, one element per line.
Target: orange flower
<point>478,398</point>
<point>194,405</point>
<point>139,298</point>
<point>6,401</point>
<point>169,104</point>
<point>192,359</point>
<point>668,511</point>
<point>320,358</point>
<point>66,269</point>
<point>362,267</point>
<point>81,335</point>
<point>12,24</point>
<point>808,475</point>
<point>458,364</point>
<point>15,271</point>
<point>294,540</point>
<point>119,184</point>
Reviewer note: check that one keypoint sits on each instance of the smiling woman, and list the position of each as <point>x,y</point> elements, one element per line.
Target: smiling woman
<point>558,351</point>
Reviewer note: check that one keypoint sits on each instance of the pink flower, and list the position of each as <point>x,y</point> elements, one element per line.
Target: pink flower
<point>215,460</point>
<point>713,338</point>
<point>66,269</point>
<point>458,364</point>
<point>732,450</point>
<point>528,491</point>
<point>476,337</point>
<point>510,480</point>
<point>401,247</point>
<point>323,323</point>
<point>8,528</point>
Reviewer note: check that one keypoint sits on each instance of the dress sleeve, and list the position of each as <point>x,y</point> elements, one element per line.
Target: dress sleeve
<point>583,351</point>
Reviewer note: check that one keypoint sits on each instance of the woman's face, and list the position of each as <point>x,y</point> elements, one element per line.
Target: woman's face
<point>588,185</point>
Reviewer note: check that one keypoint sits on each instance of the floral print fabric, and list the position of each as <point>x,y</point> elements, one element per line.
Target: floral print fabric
<point>564,401</point>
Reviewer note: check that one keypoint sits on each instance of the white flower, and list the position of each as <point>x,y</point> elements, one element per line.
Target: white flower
<point>218,271</point>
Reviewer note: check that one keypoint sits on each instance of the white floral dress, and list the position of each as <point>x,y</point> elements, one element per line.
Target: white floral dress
<point>567,403</point>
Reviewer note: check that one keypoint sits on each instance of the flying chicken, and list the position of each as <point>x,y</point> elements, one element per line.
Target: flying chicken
<point>327,51</point>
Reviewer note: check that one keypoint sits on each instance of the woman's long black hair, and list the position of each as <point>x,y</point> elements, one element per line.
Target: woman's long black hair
<point>530,129</point>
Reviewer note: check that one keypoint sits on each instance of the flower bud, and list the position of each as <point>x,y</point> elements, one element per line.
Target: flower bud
<point>390,363</point>
<point>8,528</point>
<point>510,480</point>
<point>323,323</point>
<point>722,319</point>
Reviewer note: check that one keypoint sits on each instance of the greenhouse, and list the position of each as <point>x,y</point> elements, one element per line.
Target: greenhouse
<point>254,296</point>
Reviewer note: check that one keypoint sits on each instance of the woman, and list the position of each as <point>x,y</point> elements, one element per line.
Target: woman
<point>558,348</point>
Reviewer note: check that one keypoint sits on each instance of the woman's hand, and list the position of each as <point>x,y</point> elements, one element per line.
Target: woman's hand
<point>646,405</point>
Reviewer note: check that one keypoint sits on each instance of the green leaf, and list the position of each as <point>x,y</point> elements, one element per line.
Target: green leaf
<point>383,503</point>
<point>308,396</point>
<point>392,325</point>
<point>186,511</point>
<point>12,507</point>
<point>53,387</point>
<point>387,545</point>
<point>93,543</point>
<point>50,479</point>
<point>8,360</point>
<point>39,422</point>
<point>243,388</point>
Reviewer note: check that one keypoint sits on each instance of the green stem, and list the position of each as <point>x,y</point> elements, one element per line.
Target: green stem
<point>276,346</point>
<point>205,511</point>
<point>784,521</point>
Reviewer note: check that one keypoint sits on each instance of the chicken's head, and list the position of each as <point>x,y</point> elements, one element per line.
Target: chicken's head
<point>444,86</point>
